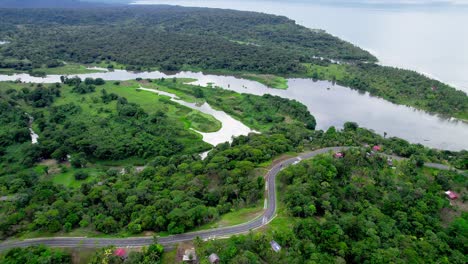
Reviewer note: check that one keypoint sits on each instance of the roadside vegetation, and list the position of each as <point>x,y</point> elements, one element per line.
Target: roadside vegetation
<point>357,209</point>
<point>35,254</point>
<point>152,254</point>
<point>92,132</point>
<point>177,191</point>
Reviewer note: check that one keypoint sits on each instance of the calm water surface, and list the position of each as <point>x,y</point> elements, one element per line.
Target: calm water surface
<point>231,127</point>
<point>430,40</point>
<point>331,105</point>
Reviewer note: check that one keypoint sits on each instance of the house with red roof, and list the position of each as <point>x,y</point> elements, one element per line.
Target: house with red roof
<point>451,195</point>
<point>120,252</point>
<point>339,155</point>
<point>377,148</point>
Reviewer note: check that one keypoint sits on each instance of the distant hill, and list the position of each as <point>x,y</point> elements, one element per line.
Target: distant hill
<point>46,4</point>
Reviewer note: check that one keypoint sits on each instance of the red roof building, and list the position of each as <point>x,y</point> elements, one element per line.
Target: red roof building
<point>451,195</point>
<point>339,155</point>
<point>120,252</point>
<point>376,148</point>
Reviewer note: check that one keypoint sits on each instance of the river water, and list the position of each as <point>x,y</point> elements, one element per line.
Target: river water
<point>431,40</point>
<point>332,105</point>
<point>231,127</point>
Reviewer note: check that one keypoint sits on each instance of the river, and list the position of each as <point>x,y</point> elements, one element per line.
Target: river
<point>332,105</point>
<point>231,127</point>
<point>429,39</point>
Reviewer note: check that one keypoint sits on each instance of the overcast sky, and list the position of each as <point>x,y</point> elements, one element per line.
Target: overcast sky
<point>369,2</point>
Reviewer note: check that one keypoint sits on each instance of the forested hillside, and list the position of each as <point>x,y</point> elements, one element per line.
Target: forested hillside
<point>357,209</point>
<point>45,4</point>
<point>80,176</point>
<point>173,38</point>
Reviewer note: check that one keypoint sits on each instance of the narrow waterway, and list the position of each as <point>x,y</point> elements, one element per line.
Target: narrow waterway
<point>230,126</point>
<point>34,136</point>
<point>332,105</point>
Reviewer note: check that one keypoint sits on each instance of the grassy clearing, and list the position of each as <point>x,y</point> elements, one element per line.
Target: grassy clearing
<point>150,102</point>
<point>68,178</point>
<point>68,69</point>
<point>330,72</point>
<point>269,80</point>
<point>169,257</point>
<point>81,255</point>
<point>106,64</point>
<point>203,122</point>
<point>177,92</point>
<point>235,218</point>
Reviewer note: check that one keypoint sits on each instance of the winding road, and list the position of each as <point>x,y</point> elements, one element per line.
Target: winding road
<point>268,215</point>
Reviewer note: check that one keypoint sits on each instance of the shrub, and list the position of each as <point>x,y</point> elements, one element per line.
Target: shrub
<point>81,175</point>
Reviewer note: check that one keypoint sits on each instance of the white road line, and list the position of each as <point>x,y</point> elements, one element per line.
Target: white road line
<point>265,204</point>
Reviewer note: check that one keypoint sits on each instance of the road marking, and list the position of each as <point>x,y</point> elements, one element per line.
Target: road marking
<point>266,187</point>
<point>92,243</point>
<point>265,204</point>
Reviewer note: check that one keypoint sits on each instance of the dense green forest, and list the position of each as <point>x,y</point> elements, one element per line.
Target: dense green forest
<point>37,254</point>
<point>167,37</point>
<point>114,160</point>
<point>153,254</point>
<point>260,113</point>
<point>91,129</point>
<point>412,88</point>
<point>99,123</point>
<point>224,41</point>
<point>357,209</point>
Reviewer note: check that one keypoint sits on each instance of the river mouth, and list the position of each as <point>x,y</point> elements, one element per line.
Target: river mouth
<point>332,105</point>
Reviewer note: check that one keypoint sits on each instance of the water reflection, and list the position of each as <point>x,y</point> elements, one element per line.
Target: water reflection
<point>332,105</point>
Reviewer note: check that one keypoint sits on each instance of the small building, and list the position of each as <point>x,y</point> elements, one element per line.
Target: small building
<point>339,155</point>
<point>214,259</point>
<point>377,148</point>
<point>190,256</point>
<point>275,246</point>
<point>120,252</point>
<point>451,195</point>
<point>434,88</point>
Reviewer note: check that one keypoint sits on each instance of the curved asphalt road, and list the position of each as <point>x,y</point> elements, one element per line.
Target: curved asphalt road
<point>264,219</point>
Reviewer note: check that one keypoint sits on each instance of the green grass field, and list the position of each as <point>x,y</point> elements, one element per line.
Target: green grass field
<point>68,178</point>
<point>70,68</point>
<point>331,72</point>
<point>269,80</point>
<point>169,257</point>
<point>235,217</point>
<point>150,102</point>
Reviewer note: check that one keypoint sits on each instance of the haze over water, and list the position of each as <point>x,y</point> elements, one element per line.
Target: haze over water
<point>431,40</point>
